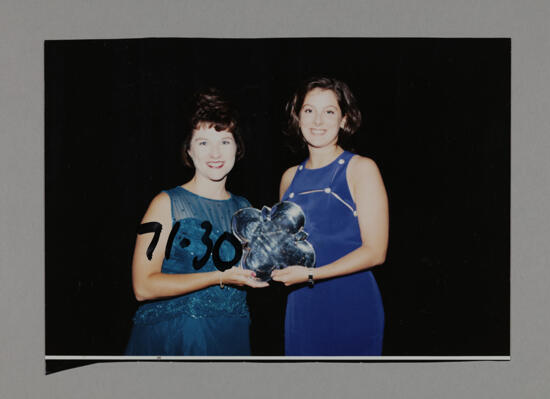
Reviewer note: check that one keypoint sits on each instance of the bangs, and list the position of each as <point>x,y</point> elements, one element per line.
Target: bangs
<point>219,126</point>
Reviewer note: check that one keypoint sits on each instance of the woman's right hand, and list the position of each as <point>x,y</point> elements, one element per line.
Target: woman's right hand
<point>238,276</point>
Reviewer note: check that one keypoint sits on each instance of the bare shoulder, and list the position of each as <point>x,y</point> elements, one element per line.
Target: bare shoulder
<point>360,167</point>
<point>289,174</point>
<point>159,208</point>
<point>363,176</point>
<point>286,179</point>
<point>161,200</point>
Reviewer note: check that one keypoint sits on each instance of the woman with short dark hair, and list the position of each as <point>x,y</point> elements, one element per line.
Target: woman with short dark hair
<point>334,309</point>
<point>184,266</point>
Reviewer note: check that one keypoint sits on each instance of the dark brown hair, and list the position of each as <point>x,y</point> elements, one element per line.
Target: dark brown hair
<point>346,102</point>
<point>209,108</point>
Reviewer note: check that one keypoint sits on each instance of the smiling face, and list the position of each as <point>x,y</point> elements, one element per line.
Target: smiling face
<point>321,118</point>
<point>212,152</point>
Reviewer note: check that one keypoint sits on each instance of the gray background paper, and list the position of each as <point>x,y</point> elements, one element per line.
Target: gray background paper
<point>24,25</point>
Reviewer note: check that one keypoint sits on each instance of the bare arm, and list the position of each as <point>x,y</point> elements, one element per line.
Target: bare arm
<point>369,194</point>
<point>148,280</point>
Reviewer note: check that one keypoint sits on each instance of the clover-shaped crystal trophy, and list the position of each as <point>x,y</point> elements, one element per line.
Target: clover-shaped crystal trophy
<point>273,238</point>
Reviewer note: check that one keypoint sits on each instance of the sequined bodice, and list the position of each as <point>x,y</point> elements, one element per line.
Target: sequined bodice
<point>198,223</point>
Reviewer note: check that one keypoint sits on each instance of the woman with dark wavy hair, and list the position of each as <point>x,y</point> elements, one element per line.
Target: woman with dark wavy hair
<point>334,309</point>
<point>184,267</point>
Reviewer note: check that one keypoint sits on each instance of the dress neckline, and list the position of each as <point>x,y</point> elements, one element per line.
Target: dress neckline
<point>206,198</point>
<point>326,166</point>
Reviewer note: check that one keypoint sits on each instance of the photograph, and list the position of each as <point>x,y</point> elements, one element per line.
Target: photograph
<point>287,199</point>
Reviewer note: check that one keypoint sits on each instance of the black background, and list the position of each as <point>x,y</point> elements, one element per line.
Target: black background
<point>436,120</point>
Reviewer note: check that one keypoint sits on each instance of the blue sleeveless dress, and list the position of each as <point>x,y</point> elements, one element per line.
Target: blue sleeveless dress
<point>209,322</point>
<point>342,316</point>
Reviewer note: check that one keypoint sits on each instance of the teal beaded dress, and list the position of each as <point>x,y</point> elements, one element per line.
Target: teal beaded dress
<point>209,322</point>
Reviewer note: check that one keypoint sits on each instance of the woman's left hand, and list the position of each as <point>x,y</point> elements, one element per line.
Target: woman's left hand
<point>291,275</point>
